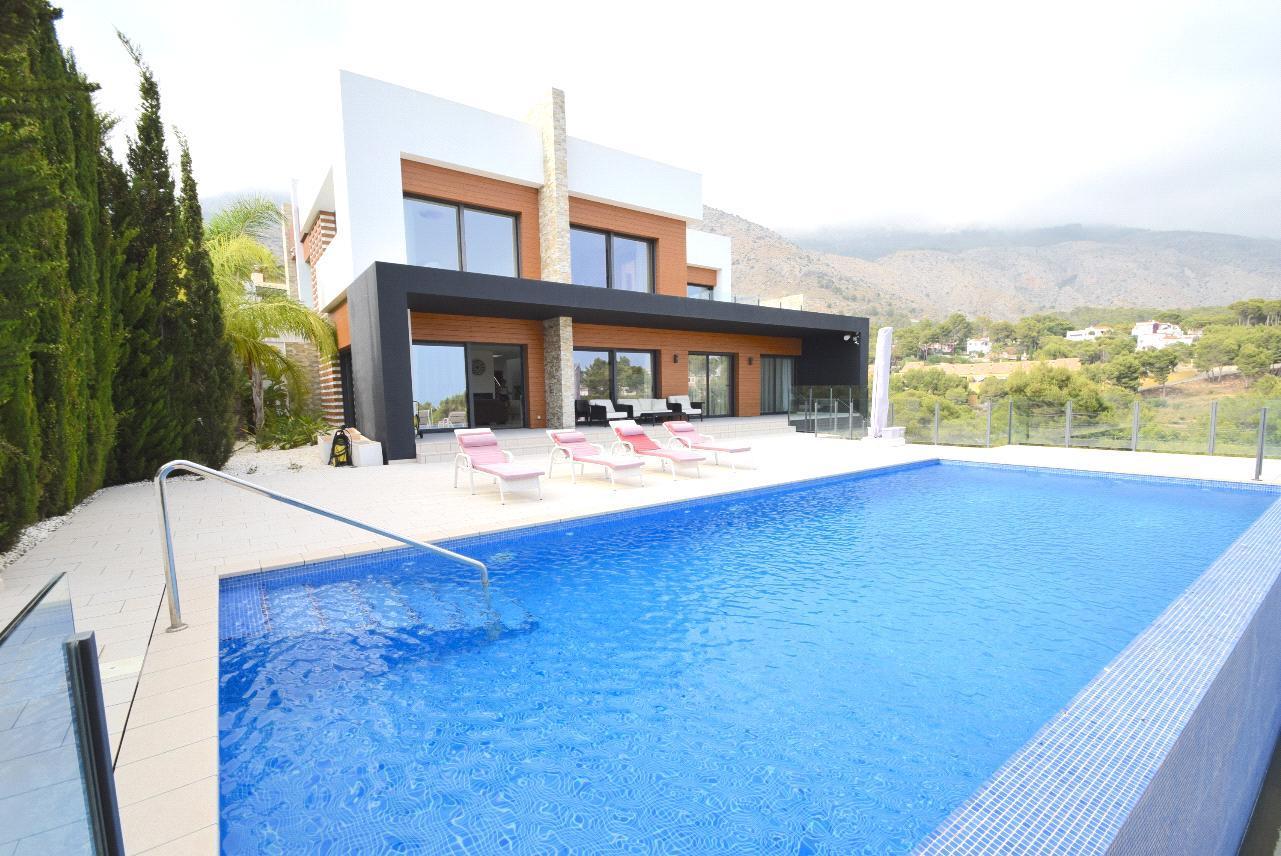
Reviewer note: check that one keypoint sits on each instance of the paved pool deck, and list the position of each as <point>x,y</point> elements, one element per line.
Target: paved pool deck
<point>161,689</point>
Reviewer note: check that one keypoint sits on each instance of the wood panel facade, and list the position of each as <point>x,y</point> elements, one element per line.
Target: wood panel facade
<point>668,235</point>
<point>468,329</point>
<point>671,346</point>
<point>450,185</point>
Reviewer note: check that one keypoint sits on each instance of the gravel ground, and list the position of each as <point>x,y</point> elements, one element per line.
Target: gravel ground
<point>248,461</point>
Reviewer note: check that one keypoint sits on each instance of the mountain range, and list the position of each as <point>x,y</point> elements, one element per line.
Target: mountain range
<point>895,275</point>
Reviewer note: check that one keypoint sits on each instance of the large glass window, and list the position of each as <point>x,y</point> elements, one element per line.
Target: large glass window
<point>454,237</point>
<point>711,381</point>
<point>629,270</point>
<point>439,377</point>
<point>614,375</point>
<point>698,292</point>
<point>634,374</point>
<point>588,258</point>
<point>776,384</point>
<point>489,242</point>
<point>592,375</point>
<point>431,234</point>
<point>606,260</point>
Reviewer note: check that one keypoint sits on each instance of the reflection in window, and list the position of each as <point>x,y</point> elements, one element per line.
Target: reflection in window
<point>605,260</point>
<point>698,292</point>
<point>489,242</point>
<point>614,375</point>
<point>431,234</point>
<point>634,374</point>
<point>438,374</point>
<point>591,374</point>
<point>587,258</point>
<point>630,268</point>
<point>439,235</point>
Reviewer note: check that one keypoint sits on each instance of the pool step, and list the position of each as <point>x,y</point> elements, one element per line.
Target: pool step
<point>354,606</point>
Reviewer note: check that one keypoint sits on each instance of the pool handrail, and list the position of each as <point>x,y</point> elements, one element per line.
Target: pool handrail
<point>171,577</point>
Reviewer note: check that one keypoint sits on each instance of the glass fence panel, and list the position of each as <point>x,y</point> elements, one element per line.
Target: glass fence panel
<point>1109,428</point>
<point>1237,427</point>
<point>1170,425</point>
<point>1001,411</point>
<point>1039,424</point>
<point>827,410</point>
<point>912,414</point>
<point>962,424</point>
<point>41,786</point>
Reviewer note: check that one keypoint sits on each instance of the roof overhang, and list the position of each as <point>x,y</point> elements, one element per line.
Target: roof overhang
<point>463,293</point>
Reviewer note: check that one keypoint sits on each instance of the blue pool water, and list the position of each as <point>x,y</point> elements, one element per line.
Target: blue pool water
<point>831,668</point>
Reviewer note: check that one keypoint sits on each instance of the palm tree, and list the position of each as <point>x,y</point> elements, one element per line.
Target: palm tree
<point>234,237</point>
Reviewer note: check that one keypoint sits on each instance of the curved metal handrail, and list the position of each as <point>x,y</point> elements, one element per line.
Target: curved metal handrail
<point>171,578</point>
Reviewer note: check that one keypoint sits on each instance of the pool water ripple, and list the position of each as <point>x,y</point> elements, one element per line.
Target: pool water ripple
<point>829,670</point>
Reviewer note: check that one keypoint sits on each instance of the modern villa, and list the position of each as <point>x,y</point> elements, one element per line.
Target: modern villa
<point>484,271</point>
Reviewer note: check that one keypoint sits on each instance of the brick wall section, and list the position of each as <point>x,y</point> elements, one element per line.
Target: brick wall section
<point>434,327</point>
<point>673,377</point>
<point>668,235</point>
<point>330,393</point>
<point>700,276</point>
<point>313,247</point>
<point>448,185</point>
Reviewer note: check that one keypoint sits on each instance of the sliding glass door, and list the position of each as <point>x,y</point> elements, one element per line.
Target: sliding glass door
<point>439,378</point>
<point>468,386</point>
<point>711,381</point>
<point>776,384</point>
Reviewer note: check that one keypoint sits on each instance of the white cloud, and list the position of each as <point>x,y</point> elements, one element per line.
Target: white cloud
<point>940,114</point>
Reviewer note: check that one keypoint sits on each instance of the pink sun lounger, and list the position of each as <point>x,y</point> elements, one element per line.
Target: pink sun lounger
<point>572,446</point>
<point>633,439</point>
<point>690,437</point>
<point>478,452</point>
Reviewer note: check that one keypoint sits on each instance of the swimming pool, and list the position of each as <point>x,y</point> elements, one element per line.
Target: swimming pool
<point>826,667</point>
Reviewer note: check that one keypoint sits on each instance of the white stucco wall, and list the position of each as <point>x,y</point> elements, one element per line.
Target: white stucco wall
<point>704,249</point>
<point>381,123</point>
<point>608,175</point>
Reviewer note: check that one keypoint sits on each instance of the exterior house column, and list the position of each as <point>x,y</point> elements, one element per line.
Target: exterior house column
<point>553,196</point>
<point>558,371</point>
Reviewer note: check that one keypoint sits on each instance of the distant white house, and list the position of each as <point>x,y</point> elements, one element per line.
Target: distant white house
<point>1155,335</point>
<point>982,346</point>
<point>1089,334</point>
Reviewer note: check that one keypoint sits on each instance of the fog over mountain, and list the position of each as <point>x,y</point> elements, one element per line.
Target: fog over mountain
<point>896,274</point>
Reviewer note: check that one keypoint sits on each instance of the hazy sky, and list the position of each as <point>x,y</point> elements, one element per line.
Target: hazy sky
<point>924,114</point>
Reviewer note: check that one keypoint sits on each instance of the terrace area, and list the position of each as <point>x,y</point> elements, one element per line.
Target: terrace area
<point>162,688</point>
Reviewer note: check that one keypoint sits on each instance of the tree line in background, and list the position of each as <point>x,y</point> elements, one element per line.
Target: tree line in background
<point>115,355</point>
<point>1245,335</point>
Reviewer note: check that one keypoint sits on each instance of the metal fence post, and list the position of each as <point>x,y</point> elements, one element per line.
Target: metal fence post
<point>813,425</point>
<point>851,417</point>
<point>988,441</point>
<point>1009,425</point>
<point>1214,425</point>
<point>1263,436</point>
<point>936,423</point>
<point>1067,426</point>
<point>1134,429</point>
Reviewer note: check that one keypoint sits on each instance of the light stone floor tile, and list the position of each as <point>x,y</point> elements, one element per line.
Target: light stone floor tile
<point>159,774</point>
<point>145,741</point>
<point>170,816</point>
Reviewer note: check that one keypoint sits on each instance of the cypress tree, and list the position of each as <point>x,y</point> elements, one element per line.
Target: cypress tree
<point>211,392</point>
<point>55,309</point>
<point>148,387</point>
<point>27,207</point>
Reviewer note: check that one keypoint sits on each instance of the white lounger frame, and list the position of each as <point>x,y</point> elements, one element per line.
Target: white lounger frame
<point>559,453</point>
<point>674,442</point>
<point>462,462</point>
<point>624,447</point>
